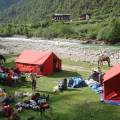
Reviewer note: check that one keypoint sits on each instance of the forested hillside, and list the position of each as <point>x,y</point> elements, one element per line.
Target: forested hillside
<point>33,18</point>
<point>29,10</point>
<point>4,4</point>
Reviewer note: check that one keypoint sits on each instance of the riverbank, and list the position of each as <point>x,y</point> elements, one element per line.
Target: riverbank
<point>65,48</point>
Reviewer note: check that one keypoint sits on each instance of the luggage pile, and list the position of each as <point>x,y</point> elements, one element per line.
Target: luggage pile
<point>10,76</point>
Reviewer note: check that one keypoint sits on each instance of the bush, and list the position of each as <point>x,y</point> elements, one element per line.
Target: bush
<point>45,24</point>
<point>6,31</point>
<point>103,34</point>
<point>89,31</point>
<point>46,34</point>
<point>67,30</point>
<point>36,33</point>
<point>114,31</point>
<point>111,33</point>
<point>59,30</point>
<point>92,35</point>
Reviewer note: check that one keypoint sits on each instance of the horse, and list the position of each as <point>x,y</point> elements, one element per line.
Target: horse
<point>2,59</point>
<point>103,58</point>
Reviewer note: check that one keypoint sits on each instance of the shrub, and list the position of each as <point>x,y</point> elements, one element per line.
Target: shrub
<point>92,35</point>
<point>66,30</point>
<point>45,24</point>
<point>114,31</point>
<point>111,33</point>
<point>36,33</point>
<point>6,31</point>
<point>46,33</point>
<point>103,34</point>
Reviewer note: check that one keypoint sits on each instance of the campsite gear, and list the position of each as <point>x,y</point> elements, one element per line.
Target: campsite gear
<point>10,77</point>
<point>3,77</point>
<point>7,111</point>
<point>41,101</point>
<point>22,77</point>
<point>45,105</point>
<point>96,86</point>
<point>56,89</point>
<point>76,82</point>
<point>42,63</point>
<point>34,103</point>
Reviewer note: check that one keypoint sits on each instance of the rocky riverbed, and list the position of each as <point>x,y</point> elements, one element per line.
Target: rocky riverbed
<point>70,49</point>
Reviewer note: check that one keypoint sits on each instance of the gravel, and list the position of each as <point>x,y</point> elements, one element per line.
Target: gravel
<point>70,49</point>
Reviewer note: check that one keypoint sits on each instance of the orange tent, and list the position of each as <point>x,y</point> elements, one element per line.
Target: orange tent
<point>42,63</point>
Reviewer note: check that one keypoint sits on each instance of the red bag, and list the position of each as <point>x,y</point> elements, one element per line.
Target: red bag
<point>7,111</point>
<point>46,106</point>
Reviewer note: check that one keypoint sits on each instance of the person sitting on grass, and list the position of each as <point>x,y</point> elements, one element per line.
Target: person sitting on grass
<point>63,84</point>
<point>94,75</point>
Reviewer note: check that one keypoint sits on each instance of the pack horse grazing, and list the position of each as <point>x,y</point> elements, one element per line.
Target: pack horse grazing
<point>2,59</point>
<point>103,58</point>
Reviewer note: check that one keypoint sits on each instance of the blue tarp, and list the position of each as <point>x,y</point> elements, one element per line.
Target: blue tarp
<point>97,87</point>
<point>76,82</point>
<point>112,102</point>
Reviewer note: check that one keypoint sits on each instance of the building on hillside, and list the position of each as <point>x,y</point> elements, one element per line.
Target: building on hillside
<point>39,62</point>
<point>85,17</point>
<point>61,17</point>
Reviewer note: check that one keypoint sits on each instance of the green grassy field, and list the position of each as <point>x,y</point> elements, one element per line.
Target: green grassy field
<point>72,104</point>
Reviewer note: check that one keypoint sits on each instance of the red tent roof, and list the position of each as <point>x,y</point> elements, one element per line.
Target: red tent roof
<point>115,70</point>
<point>33,57</point>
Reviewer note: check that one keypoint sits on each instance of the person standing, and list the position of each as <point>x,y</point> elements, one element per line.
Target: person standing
<point>33,78</point>
<point>101,74</point>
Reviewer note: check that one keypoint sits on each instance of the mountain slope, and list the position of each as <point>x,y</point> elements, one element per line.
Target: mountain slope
<point>29,10</point>
<point>7,3</point>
